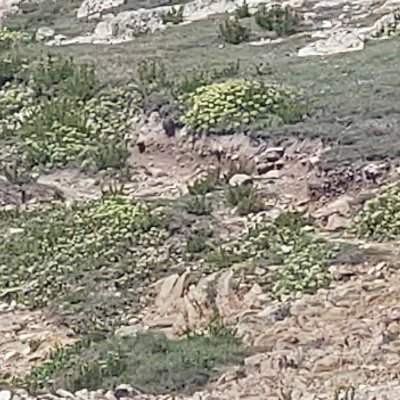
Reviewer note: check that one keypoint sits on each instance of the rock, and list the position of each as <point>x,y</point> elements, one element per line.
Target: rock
<point>340,206</point>
<point>265,167</point>
<point>157,172</point>
<point>92,7</point>
<point>336,222</point>
<point>275,151</point>
<point>106,29</point>
<point>125,390</point>
<point>340,41</point>
<point>5,395</point>
<point>240,180</point>
<point>65,394</point>
<point>273,174</point>
<point>131,330</point>
<point>44,33</point>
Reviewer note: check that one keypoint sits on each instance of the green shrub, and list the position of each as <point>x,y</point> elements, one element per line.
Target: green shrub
<point>196,243</point>
<point>10,65</point>
<point>234,104</point>
<point>173,16</point>
<point>205,184</point>
<point>149,362</point>
<point>54,75</point>
<point>300,260</point>
<point>8,38</point>
<point>63,254</point>
<point>233,32</point>
<point>245,198</point>
<point>281,20</point>
<point>242,11</point>
<point>199,205</point>
<point>70,130</point>
<point>379,218</point>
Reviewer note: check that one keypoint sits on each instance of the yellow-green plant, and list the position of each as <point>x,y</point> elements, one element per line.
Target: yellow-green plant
<point>235,103</point>
<point>9,37</point>
<point>380,217</point>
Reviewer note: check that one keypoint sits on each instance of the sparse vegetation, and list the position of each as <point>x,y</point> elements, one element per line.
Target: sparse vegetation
<point>242,11</point>
<point>301,259</point>
<point>174,16</point>
<point>245,199</point>
<point>282,20</point>
<point>150,362</point>
<point>233,32</point>
<point>92,263</point>
<point>99,236</point>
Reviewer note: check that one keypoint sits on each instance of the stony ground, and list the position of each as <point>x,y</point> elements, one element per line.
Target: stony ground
<point>178,267</point>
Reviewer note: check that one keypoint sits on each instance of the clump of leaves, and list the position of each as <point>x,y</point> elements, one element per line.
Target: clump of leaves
<point>300,260</point>
<point>10,65</point>
<point>199,205</point>
<point>233,32</point>
<point>173,16</point>
<point>237,103</point>
<point>112,239</point>
<point>245,198</point>
<point>149,362</point>
<point>282,20</point>
<point>379,219</point>
<point>196,243</point>
<point>243,11</point>
<point>8,38</point>
<point>67,130</point>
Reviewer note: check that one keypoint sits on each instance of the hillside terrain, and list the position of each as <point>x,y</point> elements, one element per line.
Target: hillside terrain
<point>199,199</point>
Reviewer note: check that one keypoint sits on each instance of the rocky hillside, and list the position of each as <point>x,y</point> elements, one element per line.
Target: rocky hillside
<point>199,200</point>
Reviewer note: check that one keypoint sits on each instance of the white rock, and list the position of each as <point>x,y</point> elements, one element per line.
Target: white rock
<point>240,180</point>
<point>92,7</point>
<point>44,33</point>
<point>5,395</point>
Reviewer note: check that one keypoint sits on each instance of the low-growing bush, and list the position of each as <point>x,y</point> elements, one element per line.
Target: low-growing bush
<point>242,11</point>
<point>300,260</point>
<point>173,16</point>
<point>233,32</point>
<point>8,38</point>
<point>199,205</point>
<point>206,184</point>
<point>379,219</point>
<point>281,20</point>
<point>63,253</point>
<point>236,104</point>
<point>245,198</point>
<point>149,362</point>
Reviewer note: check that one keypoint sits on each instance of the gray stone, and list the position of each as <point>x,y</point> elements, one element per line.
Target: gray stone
<point>44,33</point>
<point>93,7</point>
<point>273,174</point>
<point>265,167</point>
<point>240,180</point>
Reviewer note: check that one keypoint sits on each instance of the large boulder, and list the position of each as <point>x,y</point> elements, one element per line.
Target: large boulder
<point>94,7</point>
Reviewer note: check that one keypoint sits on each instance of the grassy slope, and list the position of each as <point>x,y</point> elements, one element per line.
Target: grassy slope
<point>354,95</point>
